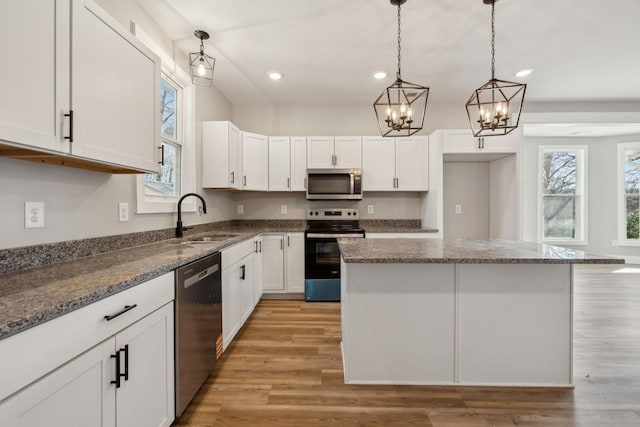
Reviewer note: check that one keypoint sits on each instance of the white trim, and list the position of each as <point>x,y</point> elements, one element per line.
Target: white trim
<point>582,222</point>
<point>186,126</point>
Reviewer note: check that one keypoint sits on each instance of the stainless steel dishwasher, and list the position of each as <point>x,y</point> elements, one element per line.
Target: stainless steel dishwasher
<point>198,328</point>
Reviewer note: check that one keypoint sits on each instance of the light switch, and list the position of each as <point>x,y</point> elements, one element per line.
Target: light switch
<point>370,209</point>
<point>283,209</point>
<point>240,209</point>
<point>458,209</point>
<point>123,212</point>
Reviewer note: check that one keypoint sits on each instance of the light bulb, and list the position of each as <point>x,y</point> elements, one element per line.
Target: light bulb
<point>394,115</point>
<point>201,69</point>
<point>403,108</point>
<point>409,112</point>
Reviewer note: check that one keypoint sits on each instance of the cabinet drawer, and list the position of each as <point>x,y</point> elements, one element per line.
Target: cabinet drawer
<point>236,252</point>
<point>29,355</point>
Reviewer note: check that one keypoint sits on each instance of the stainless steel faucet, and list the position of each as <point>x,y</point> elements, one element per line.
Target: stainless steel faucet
<point>179,228</point>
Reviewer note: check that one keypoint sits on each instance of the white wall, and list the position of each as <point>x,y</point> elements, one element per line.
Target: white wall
<point>386,205</point>
<point>602,207</point>
<point>466,184</point>
<point>81,204</point>
<point>503,198</point>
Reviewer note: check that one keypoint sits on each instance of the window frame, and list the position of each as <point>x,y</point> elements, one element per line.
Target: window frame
<point>581,194</point>
<point>622,196</point>
<point>185,123</point>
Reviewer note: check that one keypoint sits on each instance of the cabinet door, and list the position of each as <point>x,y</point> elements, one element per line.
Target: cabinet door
<point>295,262</point>
<point>348,151</point>
<point>79,393</point>
<point>412,164</point>
<point>235,157</point>
<point>258,280</point>
<point>273,262</point>
<point>115,92</point>
<point>279,163</point>
<point>221,155</point>
<point>230,305</point>
<point>247,285</point>
<point>146,397</point>
<point>459,141</point>
<point>378,164</point>
<point>298,163</point>
<point>33,100</point>
<point>255,158</point>
<point>320,153</point>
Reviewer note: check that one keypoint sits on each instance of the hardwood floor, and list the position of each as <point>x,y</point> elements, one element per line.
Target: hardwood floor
<point>284,369</point>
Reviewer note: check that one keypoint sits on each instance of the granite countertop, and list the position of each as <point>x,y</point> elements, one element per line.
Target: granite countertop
<point>33,296</point>
<point>487,251</point>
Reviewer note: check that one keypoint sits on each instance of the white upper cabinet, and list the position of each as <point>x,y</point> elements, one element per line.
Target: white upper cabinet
<point>379,166</point>
<point>279,163</point>
<point>348,152</point>
<point>221,155</point>
<point>320,153</point>
<point>463,141</point>
<point>395,164</point>
<point>33,101</point>
<point>327,152</point>
<point>298,163</point>
<point>412,163</point>
<point>255,162</point>
<point>93,96</point>
<point>287,163</point>
<point>115,91</point>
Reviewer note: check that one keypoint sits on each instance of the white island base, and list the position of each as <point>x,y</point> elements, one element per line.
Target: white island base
<point>457,324</point>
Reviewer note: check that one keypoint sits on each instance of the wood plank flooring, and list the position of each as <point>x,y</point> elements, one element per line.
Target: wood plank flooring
<point>284,369</point>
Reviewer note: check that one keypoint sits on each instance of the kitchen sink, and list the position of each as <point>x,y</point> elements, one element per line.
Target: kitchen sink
<point>209,239</point>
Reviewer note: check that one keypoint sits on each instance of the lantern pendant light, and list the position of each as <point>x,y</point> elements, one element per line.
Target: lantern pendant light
<point>200,64</point>
<point>494,108</point>
<point>400,109</point>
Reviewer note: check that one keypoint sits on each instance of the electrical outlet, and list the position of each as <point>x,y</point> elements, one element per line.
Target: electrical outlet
<point>458,209</point>
<point>370,209</point>
<point>33,214</point>
<point>283,209</point>
<point>123,212</point>
<point>240,209</point>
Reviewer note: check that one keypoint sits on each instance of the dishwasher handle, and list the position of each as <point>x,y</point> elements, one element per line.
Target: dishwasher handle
<point>201,275</point>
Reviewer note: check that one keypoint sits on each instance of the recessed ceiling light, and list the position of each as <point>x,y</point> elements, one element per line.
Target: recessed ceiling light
<point>524,73</point>
<point>379,75</point>
<point>274,75</point>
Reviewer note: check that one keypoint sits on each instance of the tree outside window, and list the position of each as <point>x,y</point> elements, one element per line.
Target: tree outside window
<point>562,194</point>
<point>631,164</point>
<point>167,182</point>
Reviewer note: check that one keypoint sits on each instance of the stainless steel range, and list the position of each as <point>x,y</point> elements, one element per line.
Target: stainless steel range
<point>322,254</point>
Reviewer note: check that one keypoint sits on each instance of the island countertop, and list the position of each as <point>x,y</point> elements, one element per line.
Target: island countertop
<point>464,251</point>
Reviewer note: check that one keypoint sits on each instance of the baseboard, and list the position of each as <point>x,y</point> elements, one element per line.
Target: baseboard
<point>283,295</point>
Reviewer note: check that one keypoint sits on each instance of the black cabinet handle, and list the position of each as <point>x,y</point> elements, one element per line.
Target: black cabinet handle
<point>288,241</point>
<point>243,271</point>
<point>123,311</point>
<point>117,380</point>
<point>70,115</point>
<point>260,245</point>
<point>233,177</point>
<point>161,154</point>
<point>126,362</point>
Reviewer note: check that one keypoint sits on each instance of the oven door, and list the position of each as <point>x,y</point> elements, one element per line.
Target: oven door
<point>322,258</point>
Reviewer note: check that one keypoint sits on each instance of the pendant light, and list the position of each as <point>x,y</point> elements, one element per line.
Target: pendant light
<point>400,109</point>
<point>200,64</point>
<point>494,108</point>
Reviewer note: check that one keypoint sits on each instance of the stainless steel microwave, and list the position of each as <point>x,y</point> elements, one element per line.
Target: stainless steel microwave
<point>334,184</point>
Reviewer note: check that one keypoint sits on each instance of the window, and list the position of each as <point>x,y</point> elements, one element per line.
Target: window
<point>157,193</point>
<point>167,182</point>
<point>629,194</point>
<point>562,196</point>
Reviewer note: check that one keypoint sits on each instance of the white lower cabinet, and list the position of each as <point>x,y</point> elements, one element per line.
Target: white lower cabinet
<point>238,287</point>
<point>258,279</point>
<point>77,394</point>
<point>283,262</point>
<point>126,380</point>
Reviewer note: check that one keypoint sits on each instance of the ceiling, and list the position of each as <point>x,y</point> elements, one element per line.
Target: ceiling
<point>327,50</point>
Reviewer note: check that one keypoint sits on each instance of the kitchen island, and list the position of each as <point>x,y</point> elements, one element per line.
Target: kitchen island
<point>458,312</point>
